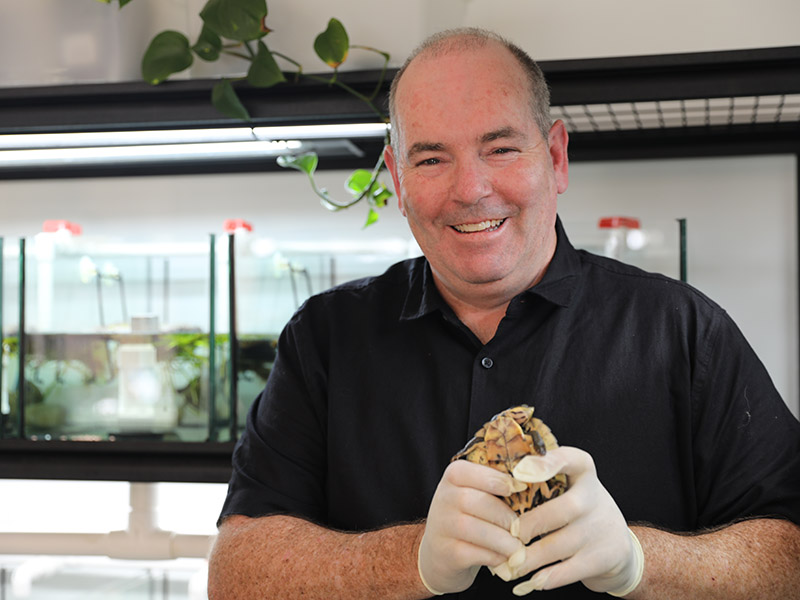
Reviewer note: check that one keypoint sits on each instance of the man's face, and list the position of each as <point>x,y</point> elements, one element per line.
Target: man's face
<point>473,175</point>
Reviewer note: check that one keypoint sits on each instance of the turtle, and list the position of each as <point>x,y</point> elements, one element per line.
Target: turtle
<point>504,441</point>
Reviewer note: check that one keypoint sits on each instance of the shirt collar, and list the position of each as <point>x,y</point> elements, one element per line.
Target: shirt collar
<point>557,286</point>
<point>561,278</point>
<point>422,297</point>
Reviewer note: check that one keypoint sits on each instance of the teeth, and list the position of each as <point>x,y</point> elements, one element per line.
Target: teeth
<point>482,226</point>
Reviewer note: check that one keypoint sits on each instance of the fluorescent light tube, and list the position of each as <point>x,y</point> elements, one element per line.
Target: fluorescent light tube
<point>141,147</point>
<point>319,132</point>
<point>10,159</point>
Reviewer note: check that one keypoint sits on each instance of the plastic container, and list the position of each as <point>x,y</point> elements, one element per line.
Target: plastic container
<point>623,236</point>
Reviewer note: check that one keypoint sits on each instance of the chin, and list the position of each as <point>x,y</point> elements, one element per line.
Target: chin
<point>484,277</point>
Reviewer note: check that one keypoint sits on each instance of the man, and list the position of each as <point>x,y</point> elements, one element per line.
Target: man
<point>647,384</point>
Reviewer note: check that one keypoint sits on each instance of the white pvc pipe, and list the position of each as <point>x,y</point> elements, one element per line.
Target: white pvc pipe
<point>143,540</point>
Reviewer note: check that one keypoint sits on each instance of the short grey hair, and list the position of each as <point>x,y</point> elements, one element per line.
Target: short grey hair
<point>473,37</point>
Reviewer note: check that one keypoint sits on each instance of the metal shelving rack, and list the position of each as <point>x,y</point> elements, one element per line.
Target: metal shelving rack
<point>726,103</point>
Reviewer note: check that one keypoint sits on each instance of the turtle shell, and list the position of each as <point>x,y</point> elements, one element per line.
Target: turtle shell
<point>504,441</point>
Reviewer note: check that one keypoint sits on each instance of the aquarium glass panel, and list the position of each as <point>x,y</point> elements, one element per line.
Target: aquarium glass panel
<point>116,339</point>
<point>9,337</point>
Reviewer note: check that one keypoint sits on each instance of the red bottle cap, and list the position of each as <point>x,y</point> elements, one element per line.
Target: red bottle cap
<point>613,222</point>
<point>231,225</point>
<point>53,225</point>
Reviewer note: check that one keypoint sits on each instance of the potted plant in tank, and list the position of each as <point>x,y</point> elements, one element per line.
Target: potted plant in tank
<point>238,28</point>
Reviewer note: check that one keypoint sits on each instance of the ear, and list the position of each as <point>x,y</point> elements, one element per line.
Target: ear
<point>391,165</point>
<point>559,140</point>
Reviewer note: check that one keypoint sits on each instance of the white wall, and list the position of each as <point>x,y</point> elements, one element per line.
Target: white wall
<point>53,41</point>
<point>279,205</point>
<point>548,29</point>
<point>561,29</point>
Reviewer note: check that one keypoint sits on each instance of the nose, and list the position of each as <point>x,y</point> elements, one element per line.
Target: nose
<point>470,181</point>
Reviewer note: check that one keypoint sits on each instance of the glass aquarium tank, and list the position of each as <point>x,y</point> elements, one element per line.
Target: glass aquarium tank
<point>106,340</point>
<point>113,339</point>
<point>130,340</point>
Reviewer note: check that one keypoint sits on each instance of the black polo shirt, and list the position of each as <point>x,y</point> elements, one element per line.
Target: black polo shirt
<point>377,384</point>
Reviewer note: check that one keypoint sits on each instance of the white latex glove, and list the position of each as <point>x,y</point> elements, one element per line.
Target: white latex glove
<point>585,534</point>
<point>467,527</point>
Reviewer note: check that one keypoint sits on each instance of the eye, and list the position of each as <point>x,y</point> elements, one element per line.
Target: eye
<point>503,150</point>
<point>428,161</point>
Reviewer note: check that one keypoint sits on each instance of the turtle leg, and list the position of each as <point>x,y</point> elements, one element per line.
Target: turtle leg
<point>538,443</point>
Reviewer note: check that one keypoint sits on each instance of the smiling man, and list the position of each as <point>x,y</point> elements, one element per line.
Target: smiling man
<point>681,457</point>
<point>476,176</point>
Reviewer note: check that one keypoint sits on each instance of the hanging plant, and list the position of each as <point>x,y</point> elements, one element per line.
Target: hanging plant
<point>238,28</point>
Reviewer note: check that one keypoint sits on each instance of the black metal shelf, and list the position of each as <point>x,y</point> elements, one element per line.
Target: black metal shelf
<point>200,462</point>
<point>754,72</point>
<point>127,106</point>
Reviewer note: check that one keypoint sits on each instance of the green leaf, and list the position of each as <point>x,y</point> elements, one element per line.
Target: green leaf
<point>332,44</point>
<point>167,53</point>
<point>225,100</point>
<point>241,20</point>
<point>264,71</point>
<point>208,46</point>
<point>382,196</point>
<point>302,162</point>
<point>358,182</point>
<point>372,217</point>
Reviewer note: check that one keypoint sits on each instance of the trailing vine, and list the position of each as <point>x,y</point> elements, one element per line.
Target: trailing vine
<point>238,28</point>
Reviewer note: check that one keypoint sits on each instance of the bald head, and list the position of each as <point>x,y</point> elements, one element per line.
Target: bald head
<point>470,40</point>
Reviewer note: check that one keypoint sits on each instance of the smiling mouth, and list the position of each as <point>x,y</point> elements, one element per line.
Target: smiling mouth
<point>490,225</point>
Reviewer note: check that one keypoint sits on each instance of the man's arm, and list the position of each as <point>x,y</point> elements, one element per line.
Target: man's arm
<point>759,558</point>
<point>287,557</point>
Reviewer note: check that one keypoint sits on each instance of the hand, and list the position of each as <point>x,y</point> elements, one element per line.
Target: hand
<point>467,527</point>
<point>584,533</point>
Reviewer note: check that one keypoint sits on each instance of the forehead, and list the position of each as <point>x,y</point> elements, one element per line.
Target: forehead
<point>462,88</point>
<point>476,56</point>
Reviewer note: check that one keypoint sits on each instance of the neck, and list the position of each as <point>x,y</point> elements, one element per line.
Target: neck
<point>481,306</point>
<point>483,322</point>
<point>481,311</point>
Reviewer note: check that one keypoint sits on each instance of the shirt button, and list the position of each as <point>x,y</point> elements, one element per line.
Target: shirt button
<point>487,362</point>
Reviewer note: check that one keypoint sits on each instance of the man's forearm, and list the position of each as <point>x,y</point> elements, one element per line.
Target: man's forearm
<point>751,559</point>
<point>286,557</point>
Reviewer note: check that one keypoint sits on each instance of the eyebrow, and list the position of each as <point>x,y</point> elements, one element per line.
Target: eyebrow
<point>491,136</point>
<point>502,133</point>
<point>420,147</point>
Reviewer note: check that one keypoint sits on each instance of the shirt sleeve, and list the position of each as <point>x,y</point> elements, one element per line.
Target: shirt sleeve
<point>746,441</point>
<point>279,461</point>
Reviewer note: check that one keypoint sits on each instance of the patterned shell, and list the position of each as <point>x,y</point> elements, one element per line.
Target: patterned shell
<point>505,440</point>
